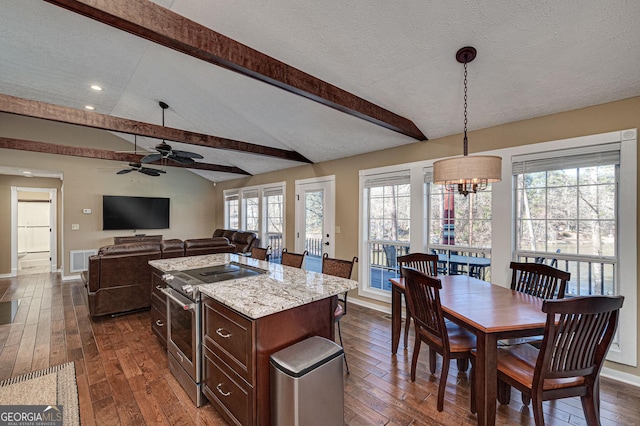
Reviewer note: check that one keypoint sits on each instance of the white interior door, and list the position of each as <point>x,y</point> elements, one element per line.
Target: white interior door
<point>315,220</point>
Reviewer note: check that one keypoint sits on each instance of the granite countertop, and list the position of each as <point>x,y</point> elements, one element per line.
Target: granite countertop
<point>281,288</point>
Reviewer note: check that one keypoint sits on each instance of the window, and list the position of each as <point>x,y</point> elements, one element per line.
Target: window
<point>251,210</point>
<point>388,203</point>
<point>273,200</point>
<point>571,203</point>
<point>231,210</point>
<point>259,209</point>
<point>459,229</point>
<point>566,213</point>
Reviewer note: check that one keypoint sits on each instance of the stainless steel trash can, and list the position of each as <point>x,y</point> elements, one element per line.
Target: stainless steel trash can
<point>307,384</point>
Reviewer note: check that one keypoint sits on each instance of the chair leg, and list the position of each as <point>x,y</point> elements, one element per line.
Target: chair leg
<point>504,392</point>
<point>432,361</point>
<point>526,399</point>
<point>463,364</point>
<point>414,359</point>
<point>538,415</point>
<point>344,352</point>
<point>407,323</point>
<point>444,372</point>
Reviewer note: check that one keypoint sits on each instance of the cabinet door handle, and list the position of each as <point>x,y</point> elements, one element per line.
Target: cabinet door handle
<point>219,389</point>
<point>159,323</point>
<point>220,332</point>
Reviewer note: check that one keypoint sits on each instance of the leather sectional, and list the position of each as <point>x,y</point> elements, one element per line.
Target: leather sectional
<point>119,276</point>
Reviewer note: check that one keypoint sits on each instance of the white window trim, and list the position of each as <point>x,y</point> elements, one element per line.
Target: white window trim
<point>502,236</point>
<point>260,189</point>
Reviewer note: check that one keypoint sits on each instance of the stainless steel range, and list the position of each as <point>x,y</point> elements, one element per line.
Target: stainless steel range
<point>184,331</point>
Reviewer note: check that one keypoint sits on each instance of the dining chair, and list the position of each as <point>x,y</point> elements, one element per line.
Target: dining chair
<point>539,279</point>
<point>446,338</point>
<point>577,336</point>
<point>423,262</point>
<point>260,253</point>
<point>292,259</point>
<point>343,269</point>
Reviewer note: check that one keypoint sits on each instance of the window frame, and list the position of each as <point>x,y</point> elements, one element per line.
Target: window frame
<point>259,192</point>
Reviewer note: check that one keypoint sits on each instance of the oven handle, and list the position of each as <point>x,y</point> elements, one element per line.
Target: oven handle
<point>187,306</point>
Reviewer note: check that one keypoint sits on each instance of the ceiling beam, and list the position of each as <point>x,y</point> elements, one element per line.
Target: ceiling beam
<point>157,24</point>
<point>61,114</point>
<point>103,154</point>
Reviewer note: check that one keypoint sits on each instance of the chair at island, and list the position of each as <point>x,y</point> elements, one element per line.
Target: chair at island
<point>260,253</point>
<point>294,260</point>
<point>339,268</point>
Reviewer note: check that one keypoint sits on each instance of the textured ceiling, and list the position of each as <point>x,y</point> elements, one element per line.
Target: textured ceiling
<point>534,58</point>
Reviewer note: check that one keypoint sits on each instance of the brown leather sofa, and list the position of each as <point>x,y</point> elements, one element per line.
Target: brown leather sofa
<point>119,276</point>
<point>243,240</point>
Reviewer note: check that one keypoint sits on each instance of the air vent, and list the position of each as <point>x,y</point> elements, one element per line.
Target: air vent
<point>80,259</point>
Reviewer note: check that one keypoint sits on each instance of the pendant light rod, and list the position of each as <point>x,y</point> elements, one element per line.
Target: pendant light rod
<point>467,174</point>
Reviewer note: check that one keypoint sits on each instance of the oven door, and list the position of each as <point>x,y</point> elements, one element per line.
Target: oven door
<point>183,332</point>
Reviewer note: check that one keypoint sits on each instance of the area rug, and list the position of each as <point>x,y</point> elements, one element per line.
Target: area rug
<point>51,386</point>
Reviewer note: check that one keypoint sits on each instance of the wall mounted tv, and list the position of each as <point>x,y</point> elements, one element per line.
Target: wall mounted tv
<point>119,212</point>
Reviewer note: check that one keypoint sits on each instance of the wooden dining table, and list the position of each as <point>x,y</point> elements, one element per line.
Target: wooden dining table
<point>490,311</point>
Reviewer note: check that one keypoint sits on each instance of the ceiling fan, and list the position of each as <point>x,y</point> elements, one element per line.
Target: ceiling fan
<point>137,167</point>
<point>165,150</point>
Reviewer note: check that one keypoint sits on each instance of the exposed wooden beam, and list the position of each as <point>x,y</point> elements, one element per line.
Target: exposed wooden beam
<point>45,111</point>
<point>148,20</point>
<point>103,154</point>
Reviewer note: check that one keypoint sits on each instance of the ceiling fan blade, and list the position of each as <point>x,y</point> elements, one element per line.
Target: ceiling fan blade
<point>181,160</point>
<point>151,158</point>
<point>125,171</point>
<point>149,172</point>
<point>186,154</point>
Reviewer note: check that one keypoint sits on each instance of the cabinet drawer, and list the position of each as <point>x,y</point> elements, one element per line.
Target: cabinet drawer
<point>230,336</point>
<point>159,324</point>
<point>226,390</point>
<point>156,285</point>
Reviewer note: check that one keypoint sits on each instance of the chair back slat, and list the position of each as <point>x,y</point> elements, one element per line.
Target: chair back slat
<point>578,334</point>
<point>423,297</point>
<point>539,280</point>
<point>292,259</point>
<point>425,263</point>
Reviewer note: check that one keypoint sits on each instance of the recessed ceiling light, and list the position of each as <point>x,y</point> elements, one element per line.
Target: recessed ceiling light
<point>26,172</point>
<point>96,87</point>
<point>89,107</point>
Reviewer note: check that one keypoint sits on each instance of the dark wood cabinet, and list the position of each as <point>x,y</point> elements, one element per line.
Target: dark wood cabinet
<point>158,308</point>
<point>236,352</point>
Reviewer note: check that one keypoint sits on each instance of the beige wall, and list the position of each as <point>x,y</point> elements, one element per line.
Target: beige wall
<point>86,180</point>
<point>609,117</point>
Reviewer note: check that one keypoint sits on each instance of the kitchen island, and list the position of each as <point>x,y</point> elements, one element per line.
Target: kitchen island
<point>245,320</point>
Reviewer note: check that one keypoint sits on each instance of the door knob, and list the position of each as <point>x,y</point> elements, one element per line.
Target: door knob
<point>327,243</point>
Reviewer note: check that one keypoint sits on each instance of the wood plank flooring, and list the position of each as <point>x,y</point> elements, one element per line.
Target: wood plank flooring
<point>123,377</point>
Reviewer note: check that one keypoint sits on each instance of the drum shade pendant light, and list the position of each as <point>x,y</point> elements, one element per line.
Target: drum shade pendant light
<point>469,173</point>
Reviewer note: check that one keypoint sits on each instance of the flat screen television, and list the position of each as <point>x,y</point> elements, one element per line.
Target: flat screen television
<point>120,212</point>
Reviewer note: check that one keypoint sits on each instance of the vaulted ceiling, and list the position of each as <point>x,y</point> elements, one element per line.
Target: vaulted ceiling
<point>261,86</point>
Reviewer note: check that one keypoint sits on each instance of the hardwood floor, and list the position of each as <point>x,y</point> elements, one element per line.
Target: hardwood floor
<point>123,377</point>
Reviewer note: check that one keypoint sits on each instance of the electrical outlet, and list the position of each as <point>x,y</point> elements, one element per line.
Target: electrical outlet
<point>75,226</point>
<point>337,229</point>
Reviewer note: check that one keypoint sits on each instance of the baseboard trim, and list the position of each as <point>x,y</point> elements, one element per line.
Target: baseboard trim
<point>69,277</point>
